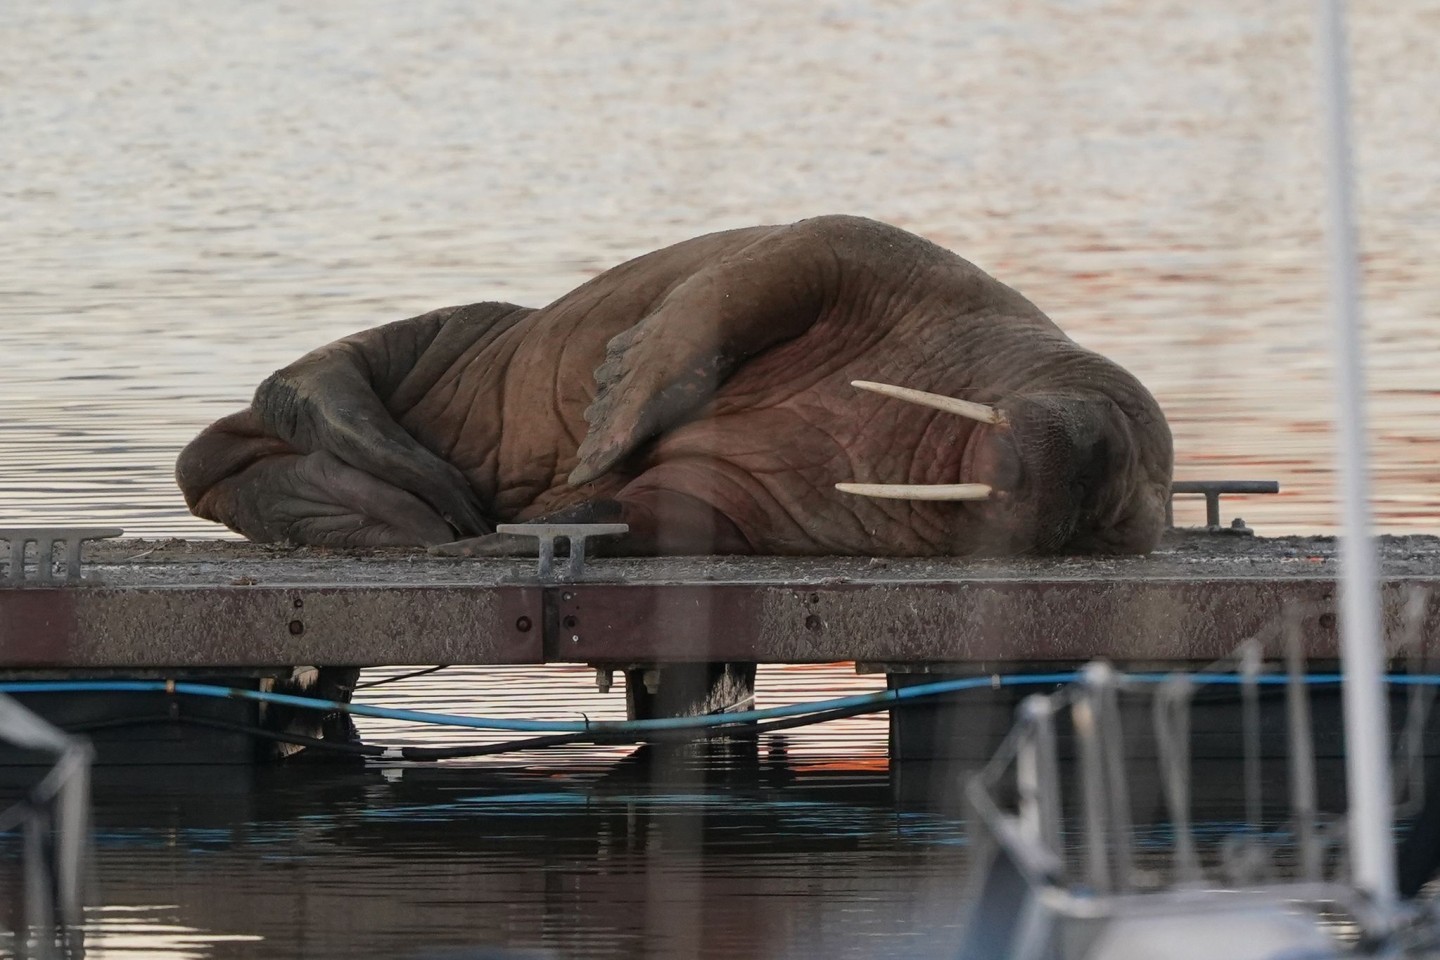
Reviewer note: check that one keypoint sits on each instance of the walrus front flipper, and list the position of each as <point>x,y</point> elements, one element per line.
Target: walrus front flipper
<point>259,486</point>
<point>668,365</point>
<point>333,400</point>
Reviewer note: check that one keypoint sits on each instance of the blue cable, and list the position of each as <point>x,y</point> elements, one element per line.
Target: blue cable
<point>526,726</point>
<point>665,723</point>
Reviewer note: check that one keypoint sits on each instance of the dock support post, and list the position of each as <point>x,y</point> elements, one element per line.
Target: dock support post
<point>323,683</point>
<point>688,689</point>
<point>936,744</point>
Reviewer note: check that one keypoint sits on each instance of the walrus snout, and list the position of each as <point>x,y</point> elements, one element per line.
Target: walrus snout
<point>1040,465</point>
<point>992,457</point>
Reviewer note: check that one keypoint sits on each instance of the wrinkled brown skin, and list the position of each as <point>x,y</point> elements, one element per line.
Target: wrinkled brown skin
<point>701,394</point>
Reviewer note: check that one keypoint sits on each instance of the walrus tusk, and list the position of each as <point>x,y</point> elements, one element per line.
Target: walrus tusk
<point>965,408</point>
<point>918,491</point>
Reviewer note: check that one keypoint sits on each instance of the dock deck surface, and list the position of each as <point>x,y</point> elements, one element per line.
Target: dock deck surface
<point>216,603</point>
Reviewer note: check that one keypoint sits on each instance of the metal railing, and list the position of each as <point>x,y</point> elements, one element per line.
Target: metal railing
<point>1035,877</point>
<point>53,822</point>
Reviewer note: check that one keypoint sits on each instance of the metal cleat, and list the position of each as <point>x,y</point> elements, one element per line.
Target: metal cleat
<point>45,539</point>
<point>1212,491</point>
<point>575,533</point>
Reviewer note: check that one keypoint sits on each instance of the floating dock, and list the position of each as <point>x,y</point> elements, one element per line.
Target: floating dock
<point>209,605</point>
<point>242,615</point>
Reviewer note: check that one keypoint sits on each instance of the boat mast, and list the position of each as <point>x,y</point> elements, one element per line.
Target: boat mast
<point>1367,742</point>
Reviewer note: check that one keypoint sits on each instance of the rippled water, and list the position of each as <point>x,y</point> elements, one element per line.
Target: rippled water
<point>196,194</point>
<point>637,860</point>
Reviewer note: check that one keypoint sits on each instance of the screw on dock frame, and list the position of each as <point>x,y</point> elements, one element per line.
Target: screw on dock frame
<point>1212,490</point>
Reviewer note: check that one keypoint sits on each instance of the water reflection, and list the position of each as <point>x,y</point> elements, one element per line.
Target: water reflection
<point>721,850</point>
<point>730,854</point>
<point>147,930</point>
<point>562,692</point>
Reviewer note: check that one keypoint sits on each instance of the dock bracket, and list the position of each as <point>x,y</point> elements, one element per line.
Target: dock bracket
<point>574,533</point>
<point>45,539</point>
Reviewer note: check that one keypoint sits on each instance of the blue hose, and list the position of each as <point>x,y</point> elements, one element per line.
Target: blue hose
<point>879,700</point>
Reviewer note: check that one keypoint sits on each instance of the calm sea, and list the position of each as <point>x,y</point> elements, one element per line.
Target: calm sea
<point>195,194</point>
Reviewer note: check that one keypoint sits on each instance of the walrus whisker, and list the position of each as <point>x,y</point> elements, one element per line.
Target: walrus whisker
<point>964,408</point>
<point>918,491</point>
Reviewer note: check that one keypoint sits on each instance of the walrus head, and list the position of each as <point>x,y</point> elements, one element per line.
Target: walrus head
<point>1051,473</point>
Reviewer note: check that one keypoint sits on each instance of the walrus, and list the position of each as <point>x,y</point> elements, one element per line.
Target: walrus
<point>831,386</point>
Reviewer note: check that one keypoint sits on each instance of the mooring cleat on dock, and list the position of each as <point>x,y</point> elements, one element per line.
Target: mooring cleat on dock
<point>45,539</point>
<point>575,533</point>
<point>1212,490</point>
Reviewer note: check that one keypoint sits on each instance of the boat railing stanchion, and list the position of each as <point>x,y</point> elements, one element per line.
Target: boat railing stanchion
<point>1102,779</point>
<point>1301,742</point>
<point>1037,775</point>
<point>1367,748</point>
<point>1250,666</point>
<point>1171,707</point>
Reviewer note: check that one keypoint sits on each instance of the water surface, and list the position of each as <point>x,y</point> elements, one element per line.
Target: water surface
<point>194,195</point>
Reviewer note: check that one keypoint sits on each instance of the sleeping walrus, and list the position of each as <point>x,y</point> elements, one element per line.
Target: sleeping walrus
<point>834,386</point>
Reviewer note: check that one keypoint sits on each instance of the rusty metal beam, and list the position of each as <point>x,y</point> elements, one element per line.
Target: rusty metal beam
<point>956,622</point>
<point>179,605</point>
<point>255,626</point>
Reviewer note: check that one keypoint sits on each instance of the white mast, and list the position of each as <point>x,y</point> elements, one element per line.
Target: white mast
<point>1367,738</point>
